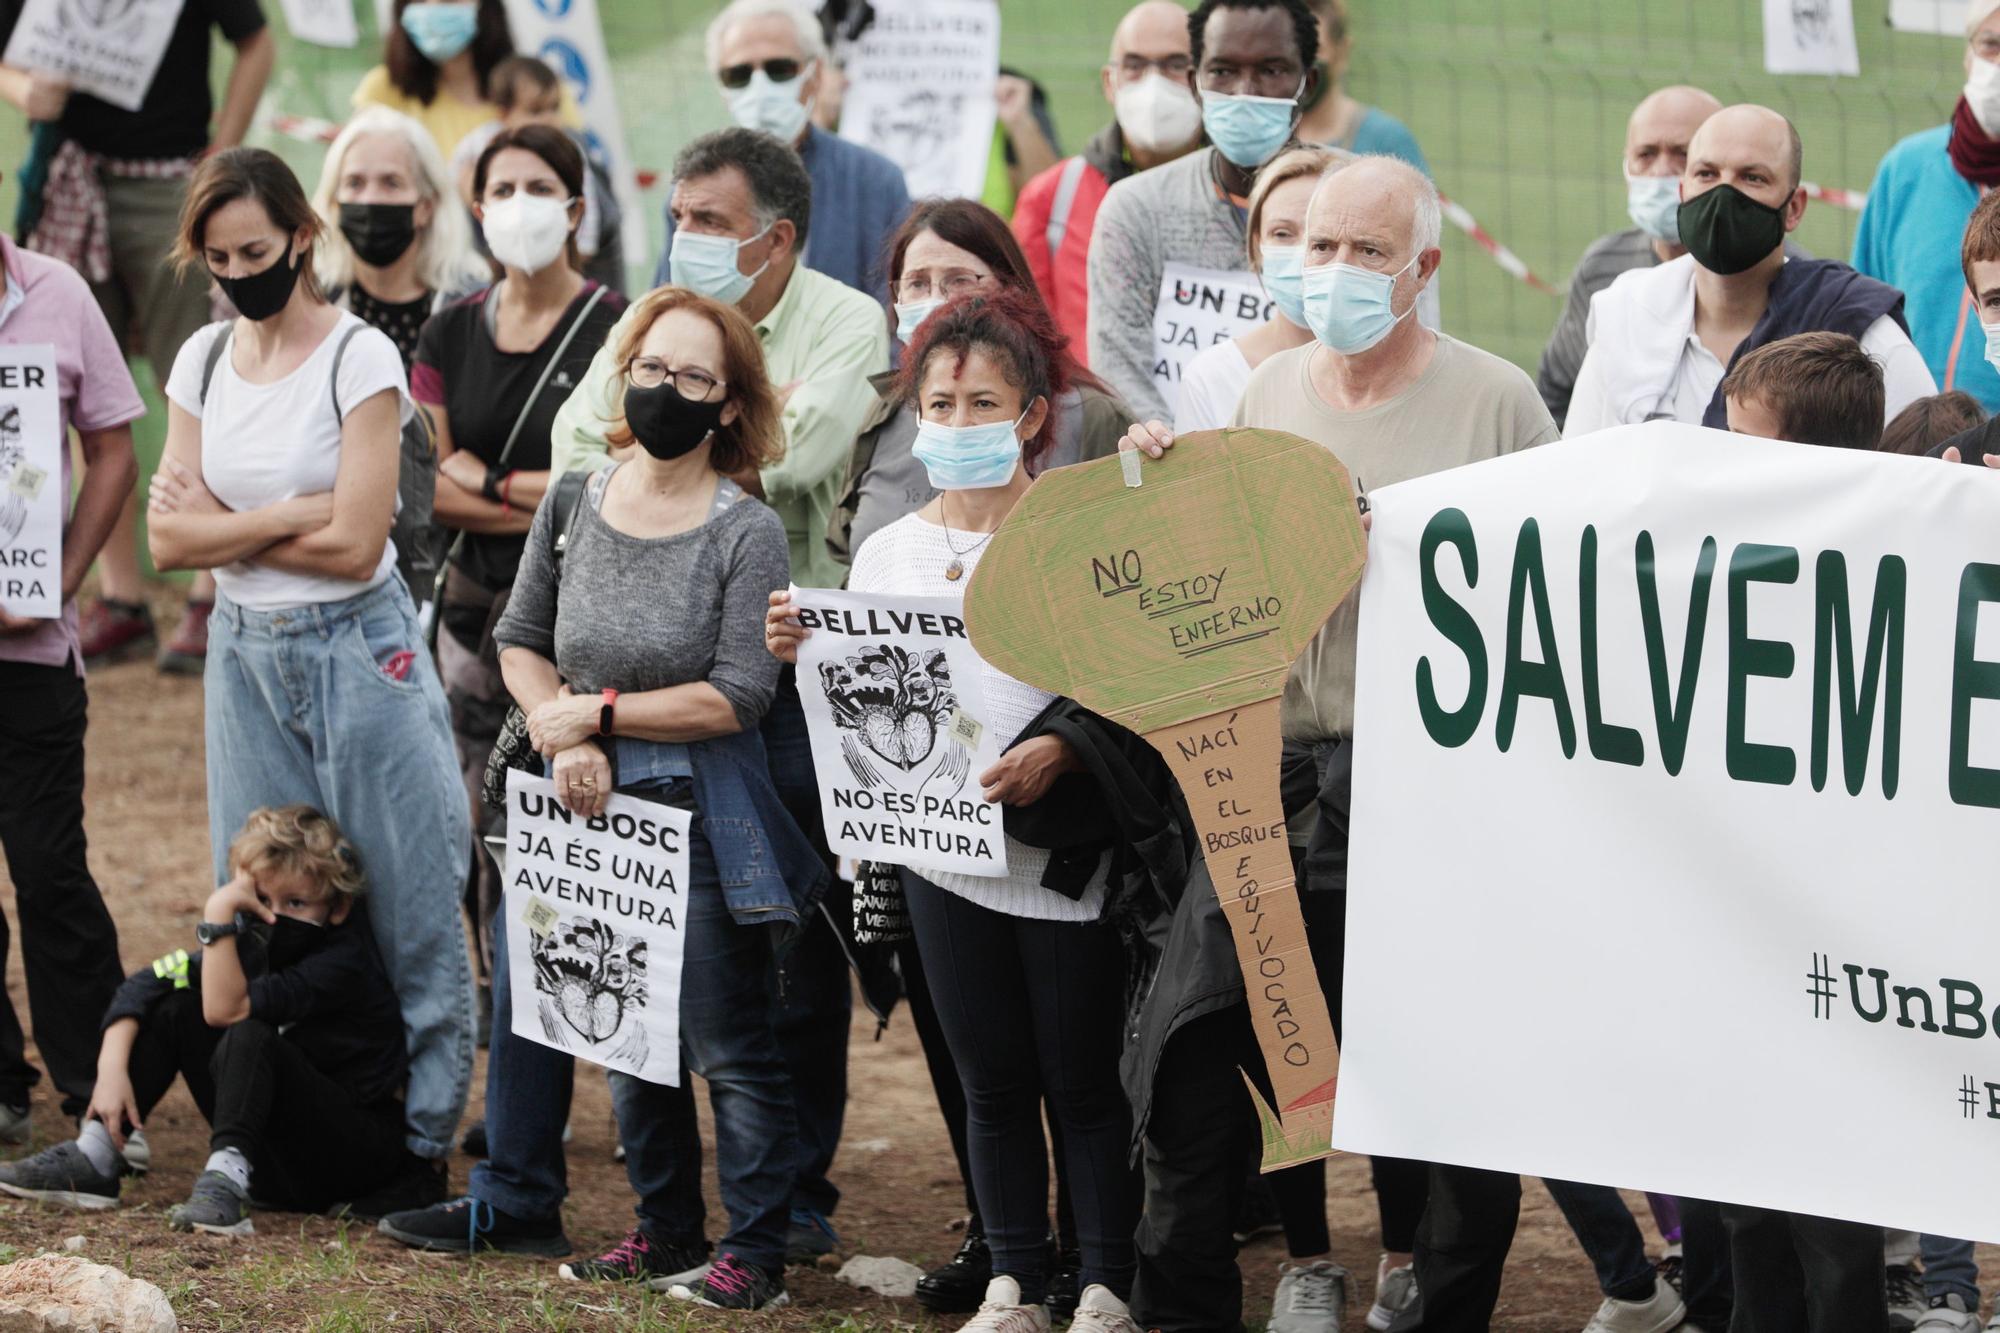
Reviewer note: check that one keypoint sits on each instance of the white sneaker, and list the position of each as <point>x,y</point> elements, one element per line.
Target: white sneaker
<point>1950,1316</point>
<point>1905,1287</point>
<point>138,1153</point>
<point>1395,1292</point>
<point>1312,1298</point>
<point>1657,1314</point>
<point>1101,1312</point>
<point>1002,1311</point>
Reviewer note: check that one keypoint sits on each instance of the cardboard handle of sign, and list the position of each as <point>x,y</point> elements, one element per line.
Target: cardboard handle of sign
<point>1227,765</point>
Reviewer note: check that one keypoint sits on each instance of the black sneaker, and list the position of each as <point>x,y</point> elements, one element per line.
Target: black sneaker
<point>811,1236</point>
<point>474,1142</point>
<point>63,1176</point>
<point>731,1284</point>
<point>1065,1284</point>
<point>1259,1214</point>
<point>466,1225</point>
<point>213,1206</point>
<point>959,1286</point>
<point>661,1265</point>
<point>420,1183</point>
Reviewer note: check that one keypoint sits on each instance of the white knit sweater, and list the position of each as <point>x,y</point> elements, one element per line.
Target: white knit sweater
<point>908,558</point>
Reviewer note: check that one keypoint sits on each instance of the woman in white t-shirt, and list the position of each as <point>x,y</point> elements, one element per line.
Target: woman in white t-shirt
<point>1212,383</point>
<point>280,475</point>
<point>1027,980</point>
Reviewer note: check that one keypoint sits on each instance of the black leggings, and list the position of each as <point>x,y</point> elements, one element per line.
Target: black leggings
<point>1033,1010</point>
<point>310,1143</point>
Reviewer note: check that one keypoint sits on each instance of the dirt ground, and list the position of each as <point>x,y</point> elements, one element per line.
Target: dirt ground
<point>149,849</point>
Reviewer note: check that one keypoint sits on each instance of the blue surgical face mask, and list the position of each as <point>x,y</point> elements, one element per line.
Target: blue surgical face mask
<point>1992,345</point>
<point>1351,309</point>
<point>1248,130</point>
<point>969,458</point>
<point>910,314</point>
<point>440,31</point>
<point>1655,205</point>
<point>768,105</point>
<point>1284,277</point>
<point>707,264</point>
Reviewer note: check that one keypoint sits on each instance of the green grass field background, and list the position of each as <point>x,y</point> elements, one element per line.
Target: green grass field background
<point>1519,104</point>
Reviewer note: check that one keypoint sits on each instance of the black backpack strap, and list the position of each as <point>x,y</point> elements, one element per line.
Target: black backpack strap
<point>333,379</point>
<point>568,504</point>
<point>217,349</point>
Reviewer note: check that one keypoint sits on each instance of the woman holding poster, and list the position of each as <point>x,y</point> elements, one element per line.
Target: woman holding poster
<point>1027,980</point>
<point>659,697</point>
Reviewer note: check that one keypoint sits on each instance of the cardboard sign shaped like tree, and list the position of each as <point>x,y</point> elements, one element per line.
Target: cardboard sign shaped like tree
<point>1175,607</point>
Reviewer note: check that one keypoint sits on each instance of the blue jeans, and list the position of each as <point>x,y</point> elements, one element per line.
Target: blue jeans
<point>299,709</point>
<point>1949,1269</point>
<point>1610,1238</point>
<point>726,1037</point>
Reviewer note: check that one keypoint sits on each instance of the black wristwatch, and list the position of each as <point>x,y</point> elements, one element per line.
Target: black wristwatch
<point>490,488</point>
<point>208,932</point>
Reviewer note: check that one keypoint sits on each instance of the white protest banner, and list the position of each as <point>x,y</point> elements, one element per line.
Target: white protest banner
<point>1198,308</point>
<point>894,705</point>
<point>920,91</point>
<point>1810,37</point>
<point>567,35</point>
<point>107,48</point>
<point>322,22</point>
<point>596,915</point>
<point>1671,731</point>
<point>32,497</point>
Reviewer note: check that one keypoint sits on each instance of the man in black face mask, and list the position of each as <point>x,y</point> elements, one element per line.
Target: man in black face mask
<point>1662,338</point>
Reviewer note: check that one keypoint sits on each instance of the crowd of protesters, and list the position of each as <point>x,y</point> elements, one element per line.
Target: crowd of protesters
<point>451,491</point>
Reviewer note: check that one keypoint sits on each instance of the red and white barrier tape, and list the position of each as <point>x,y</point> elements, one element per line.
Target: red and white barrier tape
<point>1457,215</point>
<point>1855,200</point>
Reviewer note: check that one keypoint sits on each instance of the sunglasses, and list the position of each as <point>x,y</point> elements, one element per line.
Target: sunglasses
<point>781,70</point>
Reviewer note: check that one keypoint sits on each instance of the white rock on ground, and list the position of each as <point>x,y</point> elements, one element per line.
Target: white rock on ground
<point>58,1293</point>
<point>887,1277</point>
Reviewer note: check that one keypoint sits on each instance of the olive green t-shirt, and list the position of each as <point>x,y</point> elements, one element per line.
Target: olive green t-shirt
<point>1467,405</point>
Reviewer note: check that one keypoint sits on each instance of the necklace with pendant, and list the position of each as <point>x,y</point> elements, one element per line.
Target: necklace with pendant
<point>955,571</point>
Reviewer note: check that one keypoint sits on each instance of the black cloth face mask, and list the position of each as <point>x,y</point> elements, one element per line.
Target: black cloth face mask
<point>262,295</point>
<point>379,233</point>
<point>666,424</point>
<point>1727,231</point>
<point>291,940</point>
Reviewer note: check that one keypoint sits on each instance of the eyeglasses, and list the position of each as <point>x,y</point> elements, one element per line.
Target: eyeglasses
<point>694,385</point>
<point>1133,68</point>
<point>781,70</point>
<point>919,287</point>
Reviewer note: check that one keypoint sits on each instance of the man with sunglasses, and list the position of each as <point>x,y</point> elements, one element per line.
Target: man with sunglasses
<point>1155,120</point>
<point>769,59</point>
<point>1252,66</point>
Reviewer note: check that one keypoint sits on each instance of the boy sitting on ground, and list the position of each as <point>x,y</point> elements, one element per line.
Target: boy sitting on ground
<point>284,1026</point>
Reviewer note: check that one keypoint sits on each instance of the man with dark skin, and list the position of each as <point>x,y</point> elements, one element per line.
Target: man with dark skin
<point>1249,58</point>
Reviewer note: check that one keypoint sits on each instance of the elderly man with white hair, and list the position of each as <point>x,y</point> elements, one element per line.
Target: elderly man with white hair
<point>1923,193</point>
<point>1662,338</point>
<point>1393,400</point>
<point>769,60</point>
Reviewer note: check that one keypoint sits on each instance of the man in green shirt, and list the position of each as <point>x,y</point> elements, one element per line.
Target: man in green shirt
<point>822,339</point>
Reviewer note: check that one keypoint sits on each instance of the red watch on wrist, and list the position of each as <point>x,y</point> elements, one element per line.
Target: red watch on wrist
<point>604,714</point>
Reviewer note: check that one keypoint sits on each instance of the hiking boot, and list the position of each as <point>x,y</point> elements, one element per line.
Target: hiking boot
<point>1101,1312</point>
<point>187,651</point>
<point>731,1284</point>
<point>109,631</point>
<point>1311,1298</point>
<point>660,1265</point>
<point>1395,1292</point>
<point>959,1286</point>
<point>213,1206</point>
<point>469,1225</point>
<point>63,1176</point>
<point>419,1184</point>
<point>1002,1311</point>
<point>811,1235</point>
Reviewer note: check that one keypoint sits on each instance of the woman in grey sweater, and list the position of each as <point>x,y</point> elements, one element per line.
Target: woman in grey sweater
<point>640,663</point>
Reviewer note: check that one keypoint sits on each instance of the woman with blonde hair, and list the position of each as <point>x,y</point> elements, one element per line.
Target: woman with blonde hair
<point>642,670</point>
<point>397,247</point>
